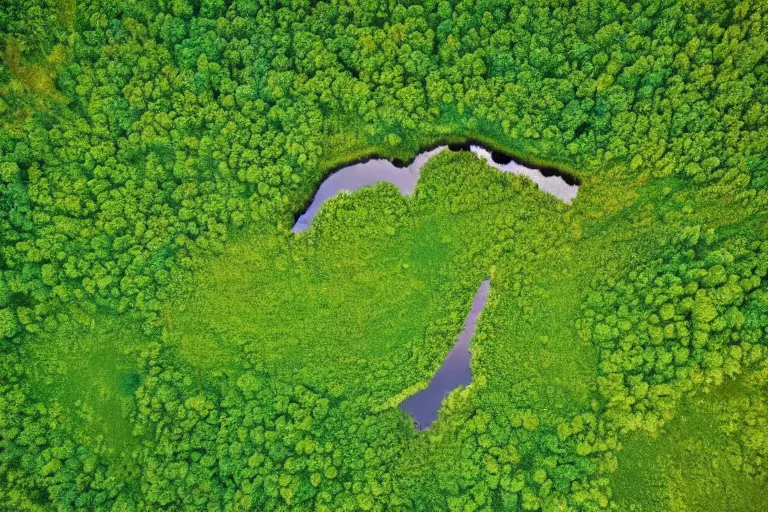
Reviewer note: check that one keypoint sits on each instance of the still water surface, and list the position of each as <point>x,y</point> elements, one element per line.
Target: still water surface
<point>454,371</point>
<point>364,174</point>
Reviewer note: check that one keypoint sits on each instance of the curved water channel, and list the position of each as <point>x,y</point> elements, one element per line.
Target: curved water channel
<point>454,371</point>
<point>404,177</point>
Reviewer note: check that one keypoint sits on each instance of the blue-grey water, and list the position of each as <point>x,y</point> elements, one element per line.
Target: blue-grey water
<point>369,173</point>
<point>454,372</point>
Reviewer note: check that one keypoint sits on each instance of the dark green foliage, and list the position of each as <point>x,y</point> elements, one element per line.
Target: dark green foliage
<point>165,343</point>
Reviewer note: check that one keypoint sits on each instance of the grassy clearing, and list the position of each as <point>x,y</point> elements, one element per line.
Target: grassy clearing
<point>353,303</point>
<point>90,371</point>
<point>536,359</point>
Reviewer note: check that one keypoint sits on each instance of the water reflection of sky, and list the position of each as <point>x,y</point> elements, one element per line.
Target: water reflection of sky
<point>369,173</point>
<point>454,372</point>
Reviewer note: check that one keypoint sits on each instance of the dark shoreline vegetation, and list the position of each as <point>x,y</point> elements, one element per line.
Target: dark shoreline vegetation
<point>501,157</point>
<point>167,344</point>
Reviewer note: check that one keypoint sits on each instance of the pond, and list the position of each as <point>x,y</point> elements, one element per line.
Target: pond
<point>454,372</point>
<point>404,177</point>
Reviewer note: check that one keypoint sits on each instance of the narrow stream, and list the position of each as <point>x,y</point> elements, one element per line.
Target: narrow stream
<point>355,176</point>
<point>454,372</point>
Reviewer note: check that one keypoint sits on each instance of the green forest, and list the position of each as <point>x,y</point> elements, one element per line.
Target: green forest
<point>167,343</point>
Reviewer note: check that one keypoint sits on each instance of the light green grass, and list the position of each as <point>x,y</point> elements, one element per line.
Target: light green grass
<point>90,372</point>
<point>689,467</point>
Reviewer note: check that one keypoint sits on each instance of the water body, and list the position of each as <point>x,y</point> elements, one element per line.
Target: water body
<point>404,177</point>
<point>562,186</point>
<point>454,371</point>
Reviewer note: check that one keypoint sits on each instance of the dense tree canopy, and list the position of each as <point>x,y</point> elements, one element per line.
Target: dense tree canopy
<point>167,343</point>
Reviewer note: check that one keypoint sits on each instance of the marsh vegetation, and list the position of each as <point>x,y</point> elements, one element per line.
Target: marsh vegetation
<point>167,342</point>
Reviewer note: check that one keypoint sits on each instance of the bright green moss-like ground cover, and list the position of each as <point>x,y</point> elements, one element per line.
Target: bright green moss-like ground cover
<point>168,344</point>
